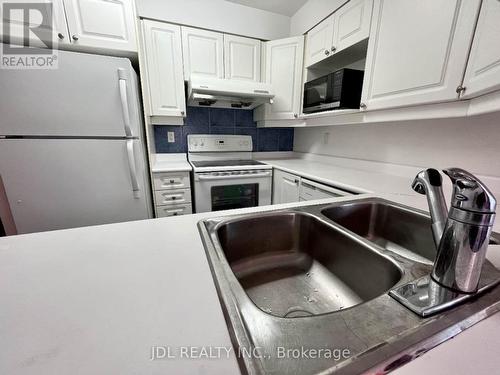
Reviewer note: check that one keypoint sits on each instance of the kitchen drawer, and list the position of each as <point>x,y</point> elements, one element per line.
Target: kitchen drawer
<point>310,190</point>
<point>170,197</point>
<point>173,210</point>
<point>173,180</point>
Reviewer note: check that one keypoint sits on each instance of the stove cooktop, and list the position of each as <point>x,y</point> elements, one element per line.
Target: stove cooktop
<point>225,163</point>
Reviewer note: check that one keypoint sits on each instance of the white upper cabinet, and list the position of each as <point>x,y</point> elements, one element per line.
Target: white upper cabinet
<point>352,23</point>
<point>417,51</point>
<point>483,69</point>
<point>163,60</point>
<point>241,58</point>
<point>203,52</point>
<point>102,24</point>
<point>15,21</point>
<point>347,26</point>
<point>319,41</point>
<point>283,70</point>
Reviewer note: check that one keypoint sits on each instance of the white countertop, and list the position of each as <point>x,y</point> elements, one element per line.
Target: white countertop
<point>169,163</point>
<point>360,176</point>
<point>94,300</point>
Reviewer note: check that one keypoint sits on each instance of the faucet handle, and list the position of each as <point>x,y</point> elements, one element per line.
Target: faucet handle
<point>469,193</point>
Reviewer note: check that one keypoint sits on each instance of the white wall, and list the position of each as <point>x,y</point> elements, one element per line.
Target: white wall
<point>311,14</point>
<point>471,143</point>
<point>218,15</point>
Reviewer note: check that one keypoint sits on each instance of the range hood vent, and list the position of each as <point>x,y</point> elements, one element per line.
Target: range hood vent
<point>227,93</point>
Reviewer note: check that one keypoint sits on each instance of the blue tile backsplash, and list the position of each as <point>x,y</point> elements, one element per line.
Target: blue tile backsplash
<point>200,120</point>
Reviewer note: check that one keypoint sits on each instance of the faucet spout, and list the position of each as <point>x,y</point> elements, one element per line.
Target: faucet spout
<point>430,183</point>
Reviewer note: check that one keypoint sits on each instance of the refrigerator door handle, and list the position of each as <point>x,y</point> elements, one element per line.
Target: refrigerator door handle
<point>132,168</point>
<point>122,80</point>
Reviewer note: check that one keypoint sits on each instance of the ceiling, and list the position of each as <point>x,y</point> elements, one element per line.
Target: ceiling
<point>284,7</point>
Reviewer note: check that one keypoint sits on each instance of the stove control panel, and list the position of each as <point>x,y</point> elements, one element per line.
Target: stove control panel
<point>219,143</point>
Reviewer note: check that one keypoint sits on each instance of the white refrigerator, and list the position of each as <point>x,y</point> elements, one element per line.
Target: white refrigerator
<point>71,145</point>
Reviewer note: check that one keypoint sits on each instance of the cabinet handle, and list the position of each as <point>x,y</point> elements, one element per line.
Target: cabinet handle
<point>327,52</point>
<point>172,181</point>
<point>74,37</point>
<point>182,113</point>
<point>295,115</point>
<point>60,35</point>
<point>362,106</point>
<point>333,49</point>
<point>460,90</point>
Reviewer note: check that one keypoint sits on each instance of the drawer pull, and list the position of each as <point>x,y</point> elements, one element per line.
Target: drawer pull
<point>172,197</point>
<point>174,212</point>
<point>172,181</point>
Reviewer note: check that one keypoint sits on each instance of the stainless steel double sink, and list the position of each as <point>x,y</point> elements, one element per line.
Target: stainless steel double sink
<point>316,277</point>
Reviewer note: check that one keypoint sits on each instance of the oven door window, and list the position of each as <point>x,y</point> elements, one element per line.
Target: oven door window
<point>227,197</point>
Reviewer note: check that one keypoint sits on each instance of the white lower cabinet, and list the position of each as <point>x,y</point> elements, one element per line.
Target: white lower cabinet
<point>417,52</point>
<point>483,70</point>
<point>172,192</point>
<point>289,188</point>
<point>285,187</point>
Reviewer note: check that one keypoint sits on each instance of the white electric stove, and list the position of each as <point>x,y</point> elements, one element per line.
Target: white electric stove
<point>225,176</point>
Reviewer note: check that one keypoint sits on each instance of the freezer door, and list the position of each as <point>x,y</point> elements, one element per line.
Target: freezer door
<point>87,95</point>
<point>56,184</point>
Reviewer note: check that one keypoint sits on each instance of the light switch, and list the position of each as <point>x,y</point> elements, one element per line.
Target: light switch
<point>171,137</point>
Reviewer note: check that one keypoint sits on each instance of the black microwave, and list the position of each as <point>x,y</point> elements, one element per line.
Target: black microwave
<point>337,90</point>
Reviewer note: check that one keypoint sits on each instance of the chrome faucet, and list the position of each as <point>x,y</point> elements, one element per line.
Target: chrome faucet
<point>462,234</point>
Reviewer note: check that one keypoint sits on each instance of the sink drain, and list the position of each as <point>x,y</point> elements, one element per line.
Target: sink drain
<point>297,312</point>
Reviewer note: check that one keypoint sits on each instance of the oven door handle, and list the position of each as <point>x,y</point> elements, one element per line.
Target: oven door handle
<point>233,176</point>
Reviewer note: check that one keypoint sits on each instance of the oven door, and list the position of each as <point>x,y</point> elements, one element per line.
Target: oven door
<point>217,191</point>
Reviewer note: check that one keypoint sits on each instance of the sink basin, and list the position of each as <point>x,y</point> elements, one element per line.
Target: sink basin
<point>319,277</point>
<point>390,227</point>
<point>293,264</point>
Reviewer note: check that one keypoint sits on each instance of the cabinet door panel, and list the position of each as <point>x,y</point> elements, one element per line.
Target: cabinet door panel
<point>319,41</point>
<point>58,35</point>
<point>353,23</point>
<point>202,53</point>
<point>417,51</point>
<point>483,69</point>
<point>163,55</point>
<point>284,61</point>
<point>286,187</point>
<point>242,58</point>
<point>102,24</point>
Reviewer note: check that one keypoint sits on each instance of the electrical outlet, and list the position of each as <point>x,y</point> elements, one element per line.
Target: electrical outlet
<point>326,138</point>
<point>171,137</point>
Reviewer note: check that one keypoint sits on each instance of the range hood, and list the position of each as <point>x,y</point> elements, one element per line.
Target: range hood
<point>227,93</point>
